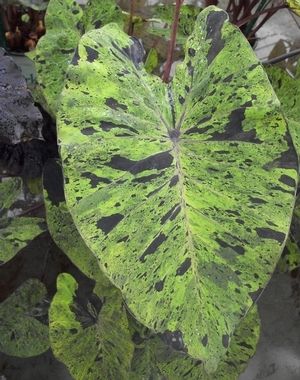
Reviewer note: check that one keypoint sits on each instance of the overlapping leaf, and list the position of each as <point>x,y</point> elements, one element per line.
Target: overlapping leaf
<point>65,22</point>
<point>290,259</point>
<point>90,336</point>
<point>154,360</point>
<point>288,92</point>
<point>15,231</point>
<point>163,18</point>
<point>62,227</point>
<point>287,89</point>
<point>22,332</point>
<point>184,192</point>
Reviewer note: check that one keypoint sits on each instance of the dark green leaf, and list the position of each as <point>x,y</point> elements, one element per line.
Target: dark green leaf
<point>15,231</point>
<point>22,333</point>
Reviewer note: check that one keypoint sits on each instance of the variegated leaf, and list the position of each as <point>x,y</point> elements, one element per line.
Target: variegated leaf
<point>15,231</point>
<point>22,333</point>
<point>90,335</point>
<point>287,89</point>
<point>154,360</point>
<point>294,5</point>
<point>65,22</point>
<point>62,227</point>
<point>163,18</point>
<point>183,191</point>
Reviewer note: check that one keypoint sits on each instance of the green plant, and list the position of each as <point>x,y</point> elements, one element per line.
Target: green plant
<point>169,210</point>
<point>288,91</point>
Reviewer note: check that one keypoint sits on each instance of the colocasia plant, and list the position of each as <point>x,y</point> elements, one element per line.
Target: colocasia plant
<point>166,211</point>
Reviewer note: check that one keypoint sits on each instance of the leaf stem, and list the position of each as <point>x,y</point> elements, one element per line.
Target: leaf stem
<point>245,20</point>
<point>262,6</point>
<point>211,2</point>
<point>130,22</point>
<point>282,57</point>
<point>172,44</point>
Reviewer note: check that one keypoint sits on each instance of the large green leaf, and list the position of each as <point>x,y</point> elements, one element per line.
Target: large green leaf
<point>153,360</point>
<point>22,333</point>
<point>15,231</point>
<point>90,336</point>
<point>65,22</point>
<point>184,192</point>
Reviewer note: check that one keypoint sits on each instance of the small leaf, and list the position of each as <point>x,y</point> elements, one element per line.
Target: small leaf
<point>15,231</point>
<point>151,60</point>
<point>161,22</point>
<point>9,190</point>
<point>178,188</point>
<point>22,334</point>
<point>92,339</point>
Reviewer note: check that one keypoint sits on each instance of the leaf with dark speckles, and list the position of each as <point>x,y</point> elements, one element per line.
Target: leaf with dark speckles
<point>226,177</point>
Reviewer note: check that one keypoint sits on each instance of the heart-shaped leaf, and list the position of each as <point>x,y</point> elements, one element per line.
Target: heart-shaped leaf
<point>180,190</point>
<point>90,336</point>
<point>22,333</point>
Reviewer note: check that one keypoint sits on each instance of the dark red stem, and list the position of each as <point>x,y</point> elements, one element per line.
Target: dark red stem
<point>211,2</point>
<point>264,20</point>
<point>172,44</point>
<point>255,15</point>
<point>130,24</point>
